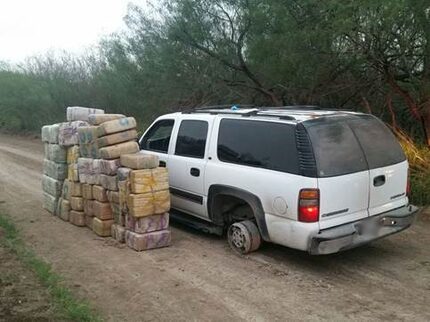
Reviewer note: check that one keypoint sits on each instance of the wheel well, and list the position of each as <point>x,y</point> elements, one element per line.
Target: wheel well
<point>227,209</point>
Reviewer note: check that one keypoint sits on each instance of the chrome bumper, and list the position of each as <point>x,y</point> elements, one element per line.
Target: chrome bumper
<point>357,233</point>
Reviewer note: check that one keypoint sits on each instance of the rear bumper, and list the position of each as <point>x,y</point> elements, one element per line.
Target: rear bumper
<point>357,233</point>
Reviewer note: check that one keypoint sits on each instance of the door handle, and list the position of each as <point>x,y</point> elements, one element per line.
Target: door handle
<point>162,164</point>
<point>379,181</point>
<point>195,172</point>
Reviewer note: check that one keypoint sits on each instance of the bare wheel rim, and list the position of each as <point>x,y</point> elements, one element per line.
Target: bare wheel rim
<point>243,237</point>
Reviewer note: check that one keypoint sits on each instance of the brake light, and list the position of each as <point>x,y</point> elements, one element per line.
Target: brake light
<point>408,185</point>
<point>309,205</point>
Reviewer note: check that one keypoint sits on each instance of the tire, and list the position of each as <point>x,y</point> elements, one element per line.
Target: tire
<point>243,237</point>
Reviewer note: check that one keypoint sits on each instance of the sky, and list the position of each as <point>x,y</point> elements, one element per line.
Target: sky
<point>31,27</point>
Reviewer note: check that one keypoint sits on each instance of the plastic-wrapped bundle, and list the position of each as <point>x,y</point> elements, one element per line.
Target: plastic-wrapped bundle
<point>50,133</point>
<point>68,133</point>
<point>115,151</point>
<point>64,209</point>
<point>109,182</point>
<point>72,172</point>
<point>146,180</point>
<point>161,201</point>
<point>118,233</point>
<point>75,189</point>
<point>140,205</point>
<point>78,113</point>
<point>111,139</point>
<point>99,193</point>
<point>139,161</point>
<point>87,134</point>
<point>66,190</point>
<point>73,154</point>
<point>56,153</point>
<point>87,191</point>
<point>147,241</point>
<point>147,224</point>
<point>49,202</point>
<point>102,210</point>
<point>120,125</point>
<point>89,150</point>
<point>123,190</point>
<point>109,167</point>
<point>54,170</point>
<point>77,203</point>
<point>97,119</point>
<point>89,207</point>
<point>77,218</point>
<point>85,166</point>
<point>102,227</point>
<point>52,186</point>
<point>123,173</point>
<point>113,196</point>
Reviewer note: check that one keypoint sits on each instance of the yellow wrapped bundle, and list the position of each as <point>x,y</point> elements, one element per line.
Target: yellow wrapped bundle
<point>97,119</point>
<point>161,201</point>
<point>123,192</point>
<point>115,126</point>
<point>115,151</point>
<point>102,210</point>
<point>73,154</point>
<point>87,191</point>
<point>77,203</point>
<point>102,227</point>
<point>77,218</point>
<point>116,138</point>
<point>140,205</point>
<point>75,189</point>
<point>139,161</point>
<point>146,180</point>
<point>99,193</point>
<point>160,178</point>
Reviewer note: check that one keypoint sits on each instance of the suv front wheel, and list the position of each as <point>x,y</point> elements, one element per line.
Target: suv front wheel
<point>244,237</point>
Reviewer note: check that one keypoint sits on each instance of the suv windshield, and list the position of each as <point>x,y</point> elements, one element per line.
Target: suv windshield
<point>343,146</point>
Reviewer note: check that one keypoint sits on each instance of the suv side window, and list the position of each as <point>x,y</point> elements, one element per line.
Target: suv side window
<point>158,137</point>
<point>258,144</point>
<point>191,140</point>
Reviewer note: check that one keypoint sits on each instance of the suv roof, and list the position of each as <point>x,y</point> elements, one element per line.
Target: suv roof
<point>295,114</point>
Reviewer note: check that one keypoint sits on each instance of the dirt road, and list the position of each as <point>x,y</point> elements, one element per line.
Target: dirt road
<point>198,278</point>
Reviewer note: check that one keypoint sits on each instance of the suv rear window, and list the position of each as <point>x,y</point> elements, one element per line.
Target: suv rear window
<point>259,144</point>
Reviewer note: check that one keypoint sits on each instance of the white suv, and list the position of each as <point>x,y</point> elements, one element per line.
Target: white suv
<point>317,180</point>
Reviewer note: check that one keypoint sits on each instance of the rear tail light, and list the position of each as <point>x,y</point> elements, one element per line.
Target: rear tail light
<point>408,185</point>
<point>309,205</point>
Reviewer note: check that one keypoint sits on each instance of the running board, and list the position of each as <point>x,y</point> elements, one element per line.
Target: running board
<point>195,223</point>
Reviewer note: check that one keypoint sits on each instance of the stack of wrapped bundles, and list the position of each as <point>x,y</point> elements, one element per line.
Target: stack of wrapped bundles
<point>147,202</point>
<point>115,134</point>
<point>54,168</point>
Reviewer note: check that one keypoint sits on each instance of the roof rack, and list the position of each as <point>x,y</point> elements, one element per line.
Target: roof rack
<point>292,107</point>
<point>205,108</point>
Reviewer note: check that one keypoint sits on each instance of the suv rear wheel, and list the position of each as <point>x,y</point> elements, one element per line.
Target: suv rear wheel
<point>243,237</point>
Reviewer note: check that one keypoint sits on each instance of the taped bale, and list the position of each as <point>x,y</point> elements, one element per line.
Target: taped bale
<point>64,209</point>
<point>97,119</point>
<point>123,191</point>
<point>66,190</point>
<point>109,182</point>
<point>102,227</point>
<point>116,211</point>
<point>57,153</point>
<point>160,177</point>
<point>73,154</point>
<point>102,210</point>
<point>118,217</point>
<point>118,233</point>
<point>115,151</point>
<point>72,172</point>
<point>78,113</point>
<point>89,150</point>
<point>111,139</point>
<point>161,201</point>
<point>123,174</point>
<point>89,207</point>
<point>87,135</point>
<point>87,191</point>
<point>49,203</point>
<point>147,224</point>
<point>140,242</point>
<point>77,218</point>
<point>113,196</point>
<point>146,180</point>
<point>89,221</point>
<point>120,125</point>
<point>68,133</point>
<point>139,161</point>
<point>109,167</point>
<point>50,133</point>
<point>54,170</point>
<point>77,203</point>
<point>52,186</point>
<point>99,193</point>
<point>140,205</point>
<point>75,189</point>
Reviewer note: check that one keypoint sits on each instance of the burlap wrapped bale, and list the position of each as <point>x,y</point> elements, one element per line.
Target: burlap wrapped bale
<point>75,189</point>
<point>99,193</point>
<point>77,218</point>
<point>52,186</point>
<point>77,203</point>
<point>109,182</point>
<point>111,139</point>
<point>73,154</point>
<point>87,191</point>
<point>97,119</point>
<point>102,210</point>
<point>140,242</point>
<point>68,133</point>
<point>115,151</point>
<point>49,203</point>
<point>139,161</point>
<point>55,170</point>
<point>109,167</point>
<point>50,133</point>
<point>78,113</point>
<point>57,153</point>
<point>118,233</point>
<point>102,227</point>
<point>89,207</point>
<point>147,224</point>
<point>64,209</point>
<point>115,126</point>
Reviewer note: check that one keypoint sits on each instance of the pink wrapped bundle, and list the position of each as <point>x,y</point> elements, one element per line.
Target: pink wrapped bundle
<point>147,224</point>
<point>156,239</point>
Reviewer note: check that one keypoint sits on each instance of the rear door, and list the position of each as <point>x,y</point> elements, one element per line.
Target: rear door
<point>388,168</point>
<point>343,175</point>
